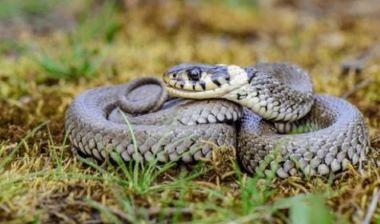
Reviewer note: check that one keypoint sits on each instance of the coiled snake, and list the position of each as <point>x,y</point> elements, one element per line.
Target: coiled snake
<point>259,110</point>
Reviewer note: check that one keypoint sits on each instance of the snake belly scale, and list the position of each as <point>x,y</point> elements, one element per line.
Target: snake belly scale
<point>258,110</point>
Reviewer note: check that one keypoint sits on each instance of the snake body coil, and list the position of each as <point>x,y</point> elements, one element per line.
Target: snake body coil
<point>96,125</point>
<point>260,110</point>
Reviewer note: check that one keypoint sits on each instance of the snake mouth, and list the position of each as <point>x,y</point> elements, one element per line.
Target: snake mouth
<point>206,94</point>
<point>221,92</point>
<point>209,91</point>
<point>180,82</point>
<point>178,87</point>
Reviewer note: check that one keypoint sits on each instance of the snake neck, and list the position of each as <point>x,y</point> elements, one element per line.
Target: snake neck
<point>273,98</point>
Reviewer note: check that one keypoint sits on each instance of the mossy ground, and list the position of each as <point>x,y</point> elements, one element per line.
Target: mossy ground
<point>52,50</point>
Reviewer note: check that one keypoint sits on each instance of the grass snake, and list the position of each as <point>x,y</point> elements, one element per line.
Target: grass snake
<point>268,112</point>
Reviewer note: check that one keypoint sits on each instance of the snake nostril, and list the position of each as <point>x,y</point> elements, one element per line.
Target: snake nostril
<point>194,74</point>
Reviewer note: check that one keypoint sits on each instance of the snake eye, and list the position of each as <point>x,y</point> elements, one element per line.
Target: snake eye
<point>194,74</point>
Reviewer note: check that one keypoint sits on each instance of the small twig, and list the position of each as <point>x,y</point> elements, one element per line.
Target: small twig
<point>372,207</point>
<point>11,146</point>
<point>357,87</point>
<point>206,184</point>
<point>228,174</point>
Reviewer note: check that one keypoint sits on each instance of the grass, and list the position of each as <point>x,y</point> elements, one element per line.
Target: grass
<point>79,62</point>
<point>41,72</point>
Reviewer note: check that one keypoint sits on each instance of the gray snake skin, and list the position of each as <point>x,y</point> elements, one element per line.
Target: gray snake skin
<point>268,112</point>
<point>96,126</point>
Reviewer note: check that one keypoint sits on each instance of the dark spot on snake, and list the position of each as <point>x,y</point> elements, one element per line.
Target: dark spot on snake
<point>216,82</point>
<point>228,79</point>
<point>241,96</point>
<point>203,85</point>
<point>192,142</point>
<point>251,75</point>
<point>194,74</point>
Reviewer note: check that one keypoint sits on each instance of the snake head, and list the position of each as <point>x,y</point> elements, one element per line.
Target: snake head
<point>200,81</point>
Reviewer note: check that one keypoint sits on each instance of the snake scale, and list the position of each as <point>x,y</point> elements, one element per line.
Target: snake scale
<point>264,111</point>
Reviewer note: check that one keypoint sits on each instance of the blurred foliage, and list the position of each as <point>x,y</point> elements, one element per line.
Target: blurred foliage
<point>82,60</point>
<point>77,62</point>
<point>237,3</point>
<point>102,25</point>
<point>307,209</point>
<point>11,46</point>
<point>21,8</point>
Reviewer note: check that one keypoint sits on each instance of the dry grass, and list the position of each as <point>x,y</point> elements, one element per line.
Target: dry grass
<point>44,65</point>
